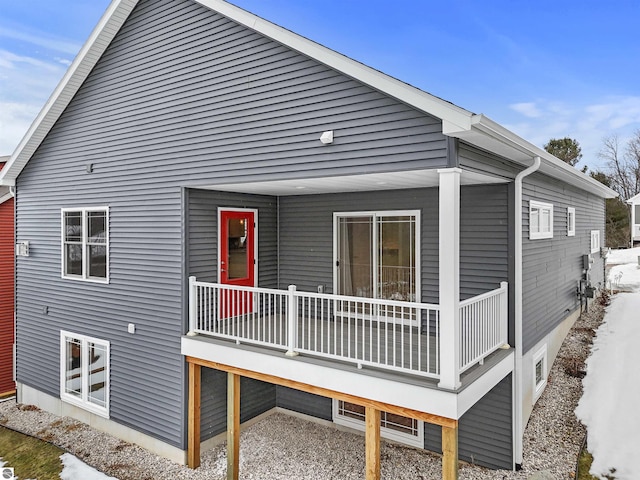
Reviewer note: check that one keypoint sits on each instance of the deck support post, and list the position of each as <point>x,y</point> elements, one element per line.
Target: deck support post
<point>450,453</point>
<point>372,443</point>
<point>193,422</point>
<point>233,426</point>
<point>449,276</point>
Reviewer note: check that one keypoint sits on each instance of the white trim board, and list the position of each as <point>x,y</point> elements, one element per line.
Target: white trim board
<point>445,403</point>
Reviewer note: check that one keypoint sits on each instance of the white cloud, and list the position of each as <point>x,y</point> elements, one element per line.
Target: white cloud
<point>41,40</point>
<point>12,61</point>
<point>528,109</point>
<point>63,61</point>
<point>588,123</point>
<point>25,85</point>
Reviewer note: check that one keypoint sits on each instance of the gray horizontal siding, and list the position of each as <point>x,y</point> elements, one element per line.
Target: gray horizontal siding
<point>202,241</point>
<point>182,96</point>
<point>484,431</point>
<point>474,159</point>
<point>484,238</point>
<point>255,398</point>
<point>552,267</point>
<point>306,403</point>
<point>144,289</point>
<point>306,234</point>
<point>230,103</point>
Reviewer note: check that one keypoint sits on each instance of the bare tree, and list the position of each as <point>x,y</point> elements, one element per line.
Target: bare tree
<point>623,166</point>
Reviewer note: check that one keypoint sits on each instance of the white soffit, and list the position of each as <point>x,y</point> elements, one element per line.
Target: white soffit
<point>350,183</point>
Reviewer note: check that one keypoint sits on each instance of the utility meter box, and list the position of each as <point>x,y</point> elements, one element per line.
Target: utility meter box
<point>587,260</point>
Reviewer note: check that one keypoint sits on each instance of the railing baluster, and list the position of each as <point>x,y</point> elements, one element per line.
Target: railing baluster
<point>256,315</point>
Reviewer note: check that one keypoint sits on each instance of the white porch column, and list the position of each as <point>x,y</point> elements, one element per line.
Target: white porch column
<point>449,273</point>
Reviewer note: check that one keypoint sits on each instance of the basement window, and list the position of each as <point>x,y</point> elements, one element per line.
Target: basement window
<point>540,220</point>
<point>84,372</point>
<point>539,372</point>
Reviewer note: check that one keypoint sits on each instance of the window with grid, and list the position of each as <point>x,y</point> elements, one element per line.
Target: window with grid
<point>540,220</point>
<point>85,244</point>
<point>84,371</point>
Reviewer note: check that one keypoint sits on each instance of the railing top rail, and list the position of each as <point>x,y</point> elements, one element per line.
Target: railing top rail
<point>240,288</point>
<point>327,296</point>
<point>375,301</point>
<point>483,296</point>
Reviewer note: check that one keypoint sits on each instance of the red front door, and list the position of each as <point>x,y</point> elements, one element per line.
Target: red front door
<point>237,264</point>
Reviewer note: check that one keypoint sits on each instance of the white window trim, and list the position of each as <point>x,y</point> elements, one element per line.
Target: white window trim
<point>388,433</point>
<point>83,402</point>
<point>375,214</point>
<point>84,277</point>
<point>538,387</point>
<point>595,241</point>
<point>536,234</point>
<point>571,222</point>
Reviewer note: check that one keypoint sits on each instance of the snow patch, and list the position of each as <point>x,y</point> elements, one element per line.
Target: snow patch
<point>608,406</point>
<point>75,469</point>
<point>624,255</point>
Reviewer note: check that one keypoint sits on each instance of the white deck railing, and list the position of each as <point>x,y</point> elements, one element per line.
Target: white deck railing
<point>483,326</point>
<point>387,334</point>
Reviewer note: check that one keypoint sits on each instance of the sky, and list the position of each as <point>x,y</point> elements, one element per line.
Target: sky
<point>544,69</point>
<point>609,404</point>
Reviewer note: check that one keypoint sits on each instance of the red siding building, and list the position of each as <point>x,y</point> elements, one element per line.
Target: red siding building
<point>7,259</point>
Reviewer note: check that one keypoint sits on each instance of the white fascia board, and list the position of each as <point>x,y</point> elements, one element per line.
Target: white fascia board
<point>347,381</point>
<point>5,197</point>
<point>496,138</point>
<point>402,91</point>
<point>634,199</point>
<point>102,35</point>
<point>442,402</point>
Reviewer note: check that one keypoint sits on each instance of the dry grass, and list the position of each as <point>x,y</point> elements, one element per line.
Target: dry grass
<point>30,457</point>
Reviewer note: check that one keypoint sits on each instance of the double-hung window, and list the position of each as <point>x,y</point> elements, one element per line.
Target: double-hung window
<point>377,254</point>
<point>84,372</point>
<point>540,220</point>
<point>85,243</point>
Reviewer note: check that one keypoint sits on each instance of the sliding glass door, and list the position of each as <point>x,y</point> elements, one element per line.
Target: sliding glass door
<point>377,255</point>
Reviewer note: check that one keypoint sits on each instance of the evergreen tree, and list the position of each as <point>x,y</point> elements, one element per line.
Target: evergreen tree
<point>566,149</point>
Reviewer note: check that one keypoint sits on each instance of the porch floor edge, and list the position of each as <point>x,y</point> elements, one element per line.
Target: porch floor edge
<point>405,391</point>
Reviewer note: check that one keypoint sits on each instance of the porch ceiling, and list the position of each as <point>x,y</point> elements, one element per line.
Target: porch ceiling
<point>351,183</point>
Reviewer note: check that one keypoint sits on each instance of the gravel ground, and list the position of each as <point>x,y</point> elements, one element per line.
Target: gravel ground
<point>285,447</point>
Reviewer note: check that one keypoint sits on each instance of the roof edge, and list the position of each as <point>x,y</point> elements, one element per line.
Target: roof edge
<point>456,121</point>
<point>551,161</point>
<point>488,134</point>
<point>376,79</point>
<point>108,26</point>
